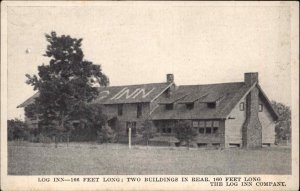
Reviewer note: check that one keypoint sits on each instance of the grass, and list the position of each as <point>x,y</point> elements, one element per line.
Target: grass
<point>113,159</point>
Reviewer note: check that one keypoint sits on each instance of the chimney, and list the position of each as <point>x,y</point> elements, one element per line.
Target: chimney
<point>250,78</point>
<point>170,78</point>
<point>252,129</point>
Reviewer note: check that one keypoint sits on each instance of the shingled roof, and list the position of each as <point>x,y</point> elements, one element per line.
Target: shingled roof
<point>225,95</point>
<point>122,94</point>
<point>29,100</point>
<point>131,93</point>
<point>228,95</point>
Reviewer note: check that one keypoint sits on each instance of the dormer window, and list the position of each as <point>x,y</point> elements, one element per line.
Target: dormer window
<point>169,106</point>
<point>211,105</point>
<point>190,106</point>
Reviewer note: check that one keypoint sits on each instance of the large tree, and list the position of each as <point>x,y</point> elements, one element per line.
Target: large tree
<point>65,84</point>
<point>283,124</point>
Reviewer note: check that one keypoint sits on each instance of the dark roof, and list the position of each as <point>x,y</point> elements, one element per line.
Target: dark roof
<point>29,100</point>
<point>122,94</point>
<point>192,98</point>
<point>173,98</point>
<point>131,93</point>
<point>226,95</point>
<point>229,94</point>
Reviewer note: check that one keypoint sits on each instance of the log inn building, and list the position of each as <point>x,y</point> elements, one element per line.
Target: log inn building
<point>237,114</point>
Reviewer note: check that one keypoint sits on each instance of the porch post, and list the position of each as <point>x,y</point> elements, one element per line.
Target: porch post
<point>129,137</point>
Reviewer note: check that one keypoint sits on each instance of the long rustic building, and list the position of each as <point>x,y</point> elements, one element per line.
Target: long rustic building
<point>237,114</point>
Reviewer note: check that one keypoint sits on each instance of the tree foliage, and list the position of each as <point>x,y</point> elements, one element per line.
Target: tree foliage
<point>283,124</point>
<point>90,119</point>
<point>147,130</point>
<point>185,132</point>
<point>16,129</point>
<point>65,84</point>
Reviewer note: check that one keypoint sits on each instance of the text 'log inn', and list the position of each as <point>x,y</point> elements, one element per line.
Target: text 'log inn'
<point>237,114</point>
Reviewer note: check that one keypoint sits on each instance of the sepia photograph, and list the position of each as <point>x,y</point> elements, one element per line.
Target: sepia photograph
<point>169,89</point>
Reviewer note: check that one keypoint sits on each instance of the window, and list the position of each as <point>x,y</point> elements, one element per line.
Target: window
<point>260,107</point>
<point>201,130</point>
<point>216,145</point>
<point>216,124</point>
<point>190,106</point>
<point>139,110</point>
<point>195,123</point>
<point>201,123</point>
<point>266,145</point>
<point>166,130</point>
<point>208,130</point>
<point>234,145</point>
<point>208,123</point>
<point>211,105</point>
<point>202,145</point>
<point>169,106</point>
<point>169,130</point>
<point>215,129</point>
<point>242,106</point>
<point>120,109</point>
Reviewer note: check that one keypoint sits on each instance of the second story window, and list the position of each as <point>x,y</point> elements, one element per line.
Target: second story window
<point>169,106</point>
<point>260,107</point>
<point>211,105</point>
<point>190,106</point>
<point>120,109</point>
<point>139,110</point>
<point>242,106</point>
<point>166,130</point>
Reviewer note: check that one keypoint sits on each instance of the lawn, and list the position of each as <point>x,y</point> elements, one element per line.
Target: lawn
<point>115,159</point>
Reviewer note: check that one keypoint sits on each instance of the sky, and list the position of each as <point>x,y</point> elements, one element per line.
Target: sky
<point>141,44</point>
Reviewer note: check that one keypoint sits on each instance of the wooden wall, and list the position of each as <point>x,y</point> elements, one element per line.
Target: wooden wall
<point>233,125</point>
<point>268,124</point>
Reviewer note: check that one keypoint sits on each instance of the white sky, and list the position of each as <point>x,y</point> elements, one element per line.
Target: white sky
<point>134,45</point>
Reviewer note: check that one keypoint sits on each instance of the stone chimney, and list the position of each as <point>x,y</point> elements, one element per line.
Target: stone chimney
<point>250,78</point>
<point>252,129</point>
<point>170,78</point>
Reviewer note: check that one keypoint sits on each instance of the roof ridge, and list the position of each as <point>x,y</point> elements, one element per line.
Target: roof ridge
<point>136,85</point>
<point>212,84</point>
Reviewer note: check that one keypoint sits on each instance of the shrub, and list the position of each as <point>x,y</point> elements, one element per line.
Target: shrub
<point>185,132</point>
<point>17,129</point>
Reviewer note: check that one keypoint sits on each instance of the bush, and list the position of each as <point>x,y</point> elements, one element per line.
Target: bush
<point>43,139</point>
<point>17,129</point>
<point>185,132</point>
<point>106,135</point>
<point>148,131</point>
